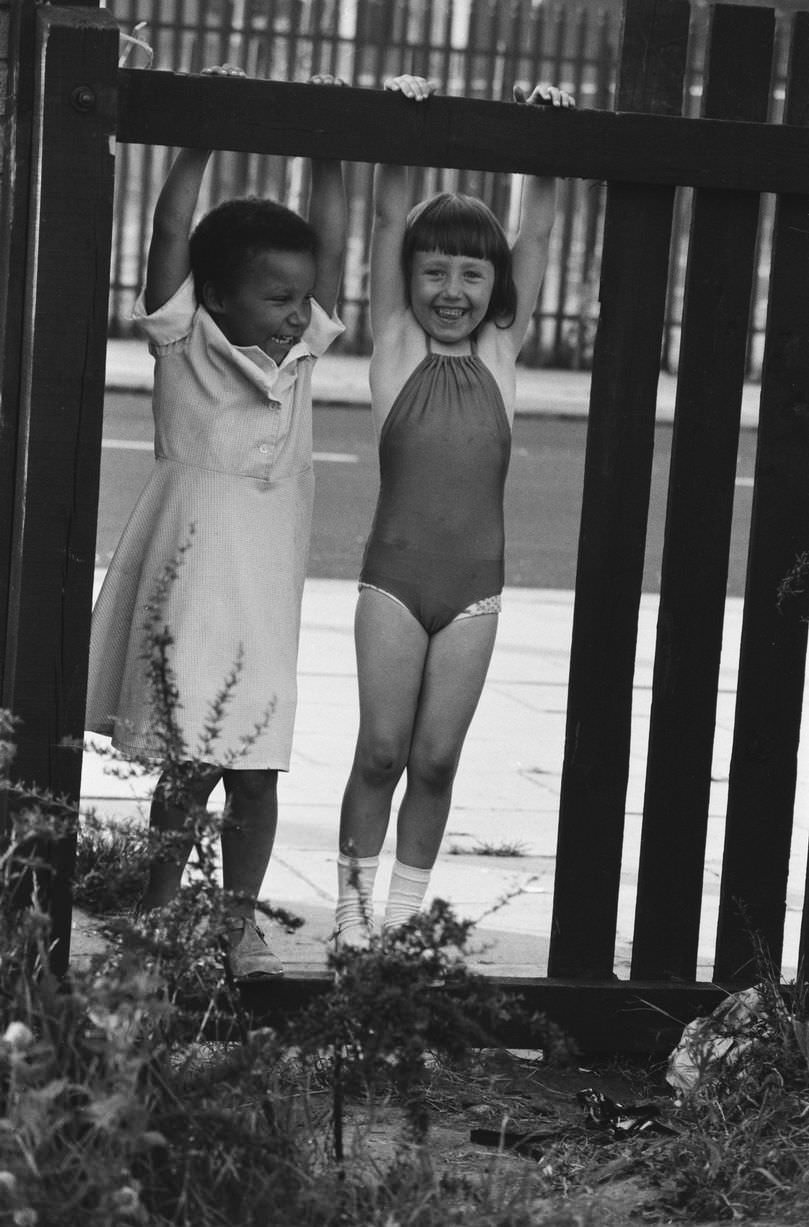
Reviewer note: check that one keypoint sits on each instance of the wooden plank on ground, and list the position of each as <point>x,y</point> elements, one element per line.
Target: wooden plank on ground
<point>702,475</point>
<point>62,368</point>
<point>634,1018</point>
<point>773,649</point>
<point>617,477</point>
<point>365,125</point>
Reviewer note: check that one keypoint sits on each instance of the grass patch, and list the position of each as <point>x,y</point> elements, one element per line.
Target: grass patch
<point>481,847</point>
<point>112,864</point>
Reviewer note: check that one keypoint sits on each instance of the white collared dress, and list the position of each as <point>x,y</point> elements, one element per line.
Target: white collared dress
<point>228,508</point>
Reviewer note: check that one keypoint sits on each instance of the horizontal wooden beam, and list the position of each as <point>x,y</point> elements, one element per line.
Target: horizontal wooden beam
<point>366,125</point>
<point>621,1016</point>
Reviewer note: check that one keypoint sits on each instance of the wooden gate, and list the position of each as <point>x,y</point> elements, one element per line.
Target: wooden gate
<point>72,99</point>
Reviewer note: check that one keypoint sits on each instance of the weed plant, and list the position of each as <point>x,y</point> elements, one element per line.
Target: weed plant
<point>117,1106</point>
<point>742,1150</point>
<point>112,865</point>
<point>121,1104</point>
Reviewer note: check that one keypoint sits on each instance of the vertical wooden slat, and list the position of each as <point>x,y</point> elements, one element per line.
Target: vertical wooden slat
<point>513,49</point>
<point>222,40</point>
<point>241,163</point>
<point>14,197</point>
<point>317,37</point>
<point>198,50</point>
<point>569,218</point>
<point>773,648</point>
<point>178,37</point>
<point>446,47</point>
<point>537,41</point>
<point>719,283</point>
<point>295,12</point>
<point>617,478</point>
<point>420,40</point>
<point>60,407</point>
<point>385,36</point>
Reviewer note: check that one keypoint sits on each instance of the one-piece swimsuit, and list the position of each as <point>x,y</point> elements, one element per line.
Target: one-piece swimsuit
<point>437,539</point>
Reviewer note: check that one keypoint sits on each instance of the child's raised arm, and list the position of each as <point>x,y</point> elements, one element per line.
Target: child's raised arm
<point>537,214</point>
<point>388,297</point>
<point>387,291</point>
<point>327,213</point>
<point>169,264</point>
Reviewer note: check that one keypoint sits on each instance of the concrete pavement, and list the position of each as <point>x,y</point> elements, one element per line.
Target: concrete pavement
<point>506,795</point>
<point>507,792</point>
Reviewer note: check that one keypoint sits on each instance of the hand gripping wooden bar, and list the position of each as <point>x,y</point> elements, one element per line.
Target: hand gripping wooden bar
<point>363,125</point>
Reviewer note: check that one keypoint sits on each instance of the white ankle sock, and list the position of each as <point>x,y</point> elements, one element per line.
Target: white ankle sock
<point>408,886</point>
<point>355,899</point>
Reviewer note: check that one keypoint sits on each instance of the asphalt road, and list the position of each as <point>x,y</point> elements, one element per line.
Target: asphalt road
<point>542,503</point>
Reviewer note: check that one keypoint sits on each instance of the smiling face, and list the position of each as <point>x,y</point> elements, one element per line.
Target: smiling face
<point>450,295</point>
<point>269,305</point>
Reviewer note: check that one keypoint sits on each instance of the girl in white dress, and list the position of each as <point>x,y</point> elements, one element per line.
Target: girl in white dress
<point>236,313</point>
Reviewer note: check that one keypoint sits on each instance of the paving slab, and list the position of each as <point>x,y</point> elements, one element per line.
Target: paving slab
<point>506,796</point>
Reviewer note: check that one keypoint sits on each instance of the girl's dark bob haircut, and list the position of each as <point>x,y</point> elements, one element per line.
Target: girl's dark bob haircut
<point>460,225</point>
<point>225,241</point>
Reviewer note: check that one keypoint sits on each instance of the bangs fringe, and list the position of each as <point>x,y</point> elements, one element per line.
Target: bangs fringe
<point>457,225</point>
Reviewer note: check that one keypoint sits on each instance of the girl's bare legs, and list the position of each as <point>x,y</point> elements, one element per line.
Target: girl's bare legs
<point>417,697</point>
<point>454,673</point>
<point>168,815</point>
<point>391,649</point>
<point>455,670</point>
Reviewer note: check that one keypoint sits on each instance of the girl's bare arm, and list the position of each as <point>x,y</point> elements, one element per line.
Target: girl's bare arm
<point>537,215</point>
<point>387,290</point>
<point>168,263</point>
<point>327,213</point>
<point>388,297</point>
<point>531,247</point>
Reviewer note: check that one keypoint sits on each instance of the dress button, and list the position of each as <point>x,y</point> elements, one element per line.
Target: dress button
<point>264,448</point>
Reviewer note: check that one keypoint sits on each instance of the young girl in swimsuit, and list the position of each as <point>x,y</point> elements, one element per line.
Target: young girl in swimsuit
<point>450,307</point>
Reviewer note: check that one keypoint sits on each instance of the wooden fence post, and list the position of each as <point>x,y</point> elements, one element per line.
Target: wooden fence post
<point>17,130</point>
<point>718,291</point>
<point>769,699</point>
<point>618,463</point>
<point>60,405</point>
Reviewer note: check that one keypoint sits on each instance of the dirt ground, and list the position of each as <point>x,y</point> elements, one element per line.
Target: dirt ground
<point>511,1113</point>
<point>588,1126</point>
<point>501,1119</point>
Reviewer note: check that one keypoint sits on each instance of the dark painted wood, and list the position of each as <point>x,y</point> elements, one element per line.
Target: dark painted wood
<point>617,476</point>
<point>60,405</point>
<point>773,649</point>
<point>366,125</point>
<point>63,364</point>
<point>711,368</point>
<point>13,265</point>
<point>635,1018</point>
